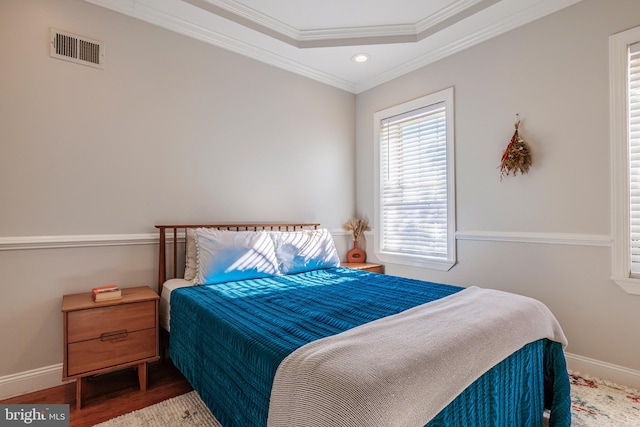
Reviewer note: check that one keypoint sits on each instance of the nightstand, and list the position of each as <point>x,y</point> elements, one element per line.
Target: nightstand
<point>109,335</point>
<point>366,266</point>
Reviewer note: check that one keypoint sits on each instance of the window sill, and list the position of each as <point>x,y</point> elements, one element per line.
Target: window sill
<point>414,261</point>
<point>629,285</point>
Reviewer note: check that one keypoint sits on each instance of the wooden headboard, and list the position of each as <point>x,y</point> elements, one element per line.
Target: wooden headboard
<point>173,250</point>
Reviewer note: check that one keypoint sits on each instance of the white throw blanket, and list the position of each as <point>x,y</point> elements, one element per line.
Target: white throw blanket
<point>402,370</point>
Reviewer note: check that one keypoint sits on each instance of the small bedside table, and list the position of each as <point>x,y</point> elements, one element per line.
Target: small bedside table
<point>366,266</point>
<point>108,335</point>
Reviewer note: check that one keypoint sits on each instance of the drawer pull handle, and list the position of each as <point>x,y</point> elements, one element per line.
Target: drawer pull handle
<point>109,336</point>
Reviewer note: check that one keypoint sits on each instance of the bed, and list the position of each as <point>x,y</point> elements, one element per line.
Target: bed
<point>293,339</point>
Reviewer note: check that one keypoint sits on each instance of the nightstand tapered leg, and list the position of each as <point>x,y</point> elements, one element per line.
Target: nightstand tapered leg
<point>142,376</point>
<point>79,384</point>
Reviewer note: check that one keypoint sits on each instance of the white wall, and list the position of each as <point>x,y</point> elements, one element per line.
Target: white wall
<point>171,131</point>
<point>554,73</point>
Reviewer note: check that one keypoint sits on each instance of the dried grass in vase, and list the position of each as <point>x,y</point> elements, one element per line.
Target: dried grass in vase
<point>356,227</point>
<point>516,157</point>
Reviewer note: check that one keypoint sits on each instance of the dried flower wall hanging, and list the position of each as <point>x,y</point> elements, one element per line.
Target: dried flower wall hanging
<point>516,157</point>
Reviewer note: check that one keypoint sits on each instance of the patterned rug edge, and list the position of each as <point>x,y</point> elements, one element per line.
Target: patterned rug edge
<point>606,383</point>
<point>598,403</point>
<point>184,410</point>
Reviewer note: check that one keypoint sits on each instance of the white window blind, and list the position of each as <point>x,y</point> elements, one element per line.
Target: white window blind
<point>624,79</point>
<point>415,221</point>
<point>634,154</point>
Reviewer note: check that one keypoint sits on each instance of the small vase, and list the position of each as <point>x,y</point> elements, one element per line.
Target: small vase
<point>356,254</point>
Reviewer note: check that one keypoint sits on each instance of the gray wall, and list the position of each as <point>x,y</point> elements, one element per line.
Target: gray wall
<point>171,131</point>
<point>554,73</point>
<point>174,130</point>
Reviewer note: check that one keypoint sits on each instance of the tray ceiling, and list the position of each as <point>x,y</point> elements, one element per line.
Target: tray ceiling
<point>319,38</point>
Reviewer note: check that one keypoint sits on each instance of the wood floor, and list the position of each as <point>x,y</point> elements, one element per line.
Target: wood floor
<point>116,393</point>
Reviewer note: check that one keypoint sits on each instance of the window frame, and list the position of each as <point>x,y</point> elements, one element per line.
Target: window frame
<point>620,162</point>
<point>445,96</point>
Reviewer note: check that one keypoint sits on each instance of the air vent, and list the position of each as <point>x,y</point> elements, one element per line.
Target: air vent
<point>78,49</point>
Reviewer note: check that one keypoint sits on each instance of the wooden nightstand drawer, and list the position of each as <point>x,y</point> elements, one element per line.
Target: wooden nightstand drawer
<point>93,323</point>
<point>116,347</point>
<point>108,335</point>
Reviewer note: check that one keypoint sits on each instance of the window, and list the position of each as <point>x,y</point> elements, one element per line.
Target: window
<point>624,54</point>
<point>415,199</point>
<point>633,100</point>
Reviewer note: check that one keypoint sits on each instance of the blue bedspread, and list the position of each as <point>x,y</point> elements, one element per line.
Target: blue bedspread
<point>228,340</point>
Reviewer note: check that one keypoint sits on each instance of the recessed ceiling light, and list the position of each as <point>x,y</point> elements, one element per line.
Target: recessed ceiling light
<point>360,57</point>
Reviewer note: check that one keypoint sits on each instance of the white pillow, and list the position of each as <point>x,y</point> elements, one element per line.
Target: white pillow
<point>191,256</point>
<point>225,256</point>
<point>305,250</point>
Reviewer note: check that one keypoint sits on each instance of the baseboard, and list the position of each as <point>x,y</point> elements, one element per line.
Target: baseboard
<point>603,370</point>
<point>30,381</point>
<point>51,376</point>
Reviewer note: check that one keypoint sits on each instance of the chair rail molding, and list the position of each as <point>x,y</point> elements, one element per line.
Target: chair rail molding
<point>537,237</point>
<point>93,240</point>
<point>76,241</point>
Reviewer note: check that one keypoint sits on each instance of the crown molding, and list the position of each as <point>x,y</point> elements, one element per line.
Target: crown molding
<point>454,9</point>
<point>457,38</point>
<point>460,41</point>
<point>242,14</point>
<point>348,36</point>
<point>155,16</point>
<point>305,39</point>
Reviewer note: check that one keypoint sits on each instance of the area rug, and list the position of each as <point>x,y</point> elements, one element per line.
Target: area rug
<point>186,410</point>
<point>594,403</point>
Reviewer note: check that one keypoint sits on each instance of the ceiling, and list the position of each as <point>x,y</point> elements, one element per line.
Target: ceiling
<point>319,38</point>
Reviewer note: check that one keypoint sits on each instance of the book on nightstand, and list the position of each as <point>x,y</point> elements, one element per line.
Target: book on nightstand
<point>105,293</point>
